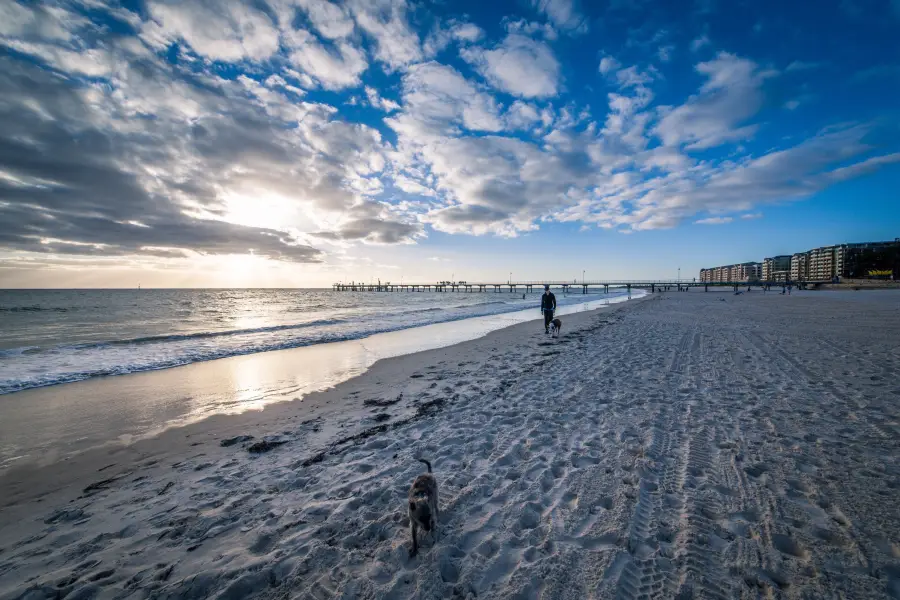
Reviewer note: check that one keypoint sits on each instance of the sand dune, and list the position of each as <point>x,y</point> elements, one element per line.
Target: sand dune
<point>682,446</point>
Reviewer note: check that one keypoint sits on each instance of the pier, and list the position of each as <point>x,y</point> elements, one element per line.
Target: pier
<point>529,287</point>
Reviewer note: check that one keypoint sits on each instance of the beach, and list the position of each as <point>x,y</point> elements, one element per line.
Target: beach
<point>684,445</point>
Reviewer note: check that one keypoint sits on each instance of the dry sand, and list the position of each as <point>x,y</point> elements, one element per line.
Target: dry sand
<point>684,445</point>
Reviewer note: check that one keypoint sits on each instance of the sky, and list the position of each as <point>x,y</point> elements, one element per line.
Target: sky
<point>298,143</point>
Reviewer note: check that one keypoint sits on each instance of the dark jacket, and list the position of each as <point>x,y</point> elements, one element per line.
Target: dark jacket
<point>548,301</point>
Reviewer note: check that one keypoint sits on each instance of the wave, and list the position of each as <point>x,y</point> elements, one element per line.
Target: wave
<point>34,309</point>
<point>138,354</point>
<point>180,337</point>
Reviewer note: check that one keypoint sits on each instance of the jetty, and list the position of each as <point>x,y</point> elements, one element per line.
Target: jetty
<point>513,287</point>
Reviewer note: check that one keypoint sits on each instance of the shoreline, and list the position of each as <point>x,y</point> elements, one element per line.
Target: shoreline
<point>143,404</point>
<point>24,481</point>
<point>683,445</point>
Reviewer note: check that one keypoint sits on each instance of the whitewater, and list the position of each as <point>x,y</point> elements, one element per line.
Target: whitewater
<point>49,337</point>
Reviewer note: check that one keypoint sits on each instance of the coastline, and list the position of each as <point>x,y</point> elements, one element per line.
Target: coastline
<point>682,445</point>
<point>340,404</point>
<point>143,404</point>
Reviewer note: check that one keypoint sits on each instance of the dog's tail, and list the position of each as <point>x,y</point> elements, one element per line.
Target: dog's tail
<point>427,464</point>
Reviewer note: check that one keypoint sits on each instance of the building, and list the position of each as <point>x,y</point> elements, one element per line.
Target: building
<point>869,260</point>
<point>822,263</point>
<point>800,266</point>
<point>776,268</point>
<point>865,260</point>
<point>742,272</point>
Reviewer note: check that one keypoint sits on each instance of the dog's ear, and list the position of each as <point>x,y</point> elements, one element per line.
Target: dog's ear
<point>412,506</point>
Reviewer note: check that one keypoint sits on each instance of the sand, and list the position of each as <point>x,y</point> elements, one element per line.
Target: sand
<point>684,445</point>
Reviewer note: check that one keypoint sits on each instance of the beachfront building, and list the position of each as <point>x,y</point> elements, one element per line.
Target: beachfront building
<point>869,260</point>
<point>823,262</point>
<point>742,272</point>
<point>776,268</point>
<point>800,266</point>
<point>864,260</point>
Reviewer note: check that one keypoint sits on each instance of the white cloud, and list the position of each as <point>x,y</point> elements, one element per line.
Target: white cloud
<point>750,216</point>
<point>731,95</point>
<point>334,70</point>
<point>437,101</point>
<point>331,20</point>
<point>467,32</point>
<point>714,221</point>
<point>520,65</point>
<point>530,28</point>
<point>377,101</point>
<point>91,62</point>
<point>41,22</point>
<point>792,104</point>
<point>624,129</point>
<point>396,44</point>
<point>217,29</point>
<point>564,14</point>
<point>608,64</point>
<point>699,43</point>
<point>522,115</point>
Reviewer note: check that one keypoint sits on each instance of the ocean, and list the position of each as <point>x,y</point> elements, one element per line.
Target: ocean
<point>50,337</point>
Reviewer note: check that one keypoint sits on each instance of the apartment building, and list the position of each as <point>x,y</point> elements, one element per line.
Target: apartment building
<point>869,259</point>
<point>800,266</point>
<point>857,260</point>
<point>743,272</point>
<point>776,268</point>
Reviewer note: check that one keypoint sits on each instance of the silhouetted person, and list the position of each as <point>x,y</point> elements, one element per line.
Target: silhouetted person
<point>548,305</point>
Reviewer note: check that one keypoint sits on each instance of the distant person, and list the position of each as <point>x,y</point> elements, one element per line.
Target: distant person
<point>548,305</point>
<point>790,287</point>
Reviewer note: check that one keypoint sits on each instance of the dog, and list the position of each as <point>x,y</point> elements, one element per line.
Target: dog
<point>555,326</point>
<point>424,511</point>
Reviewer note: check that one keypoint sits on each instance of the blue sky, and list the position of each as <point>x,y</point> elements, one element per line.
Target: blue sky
<point>301,142</point>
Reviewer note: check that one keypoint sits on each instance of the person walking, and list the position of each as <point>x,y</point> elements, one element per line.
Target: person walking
<point>548,305</point>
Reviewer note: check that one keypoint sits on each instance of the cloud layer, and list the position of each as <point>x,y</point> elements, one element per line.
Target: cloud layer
<point>294,128</point>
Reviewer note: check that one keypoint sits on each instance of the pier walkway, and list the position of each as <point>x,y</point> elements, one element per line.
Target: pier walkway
<point>566,286</point>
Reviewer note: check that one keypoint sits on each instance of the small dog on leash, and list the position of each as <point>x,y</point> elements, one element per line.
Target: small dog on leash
<point>423,506</point>
<point>555,326</point>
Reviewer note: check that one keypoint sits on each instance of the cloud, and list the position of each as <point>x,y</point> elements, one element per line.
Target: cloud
<point>792,104</point>
<point>374,231</point>
<point>148,145</point>
<point>396,44</point>
<point>792,173</point>
<point>437,101</point>
<point>608,64</point>
<point>217,29</point>
<point>160,161</point>
<point>332,69</point>
<point>530,28</point>
<point>699,43</point>
<point>377,101</point>
<point>564,14</point>
<point>714,221</point>
<point>750,216</point>
<point>521,66</point>
<point>731,95</point>
<point>467,32</point>
<point>331,20</point>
